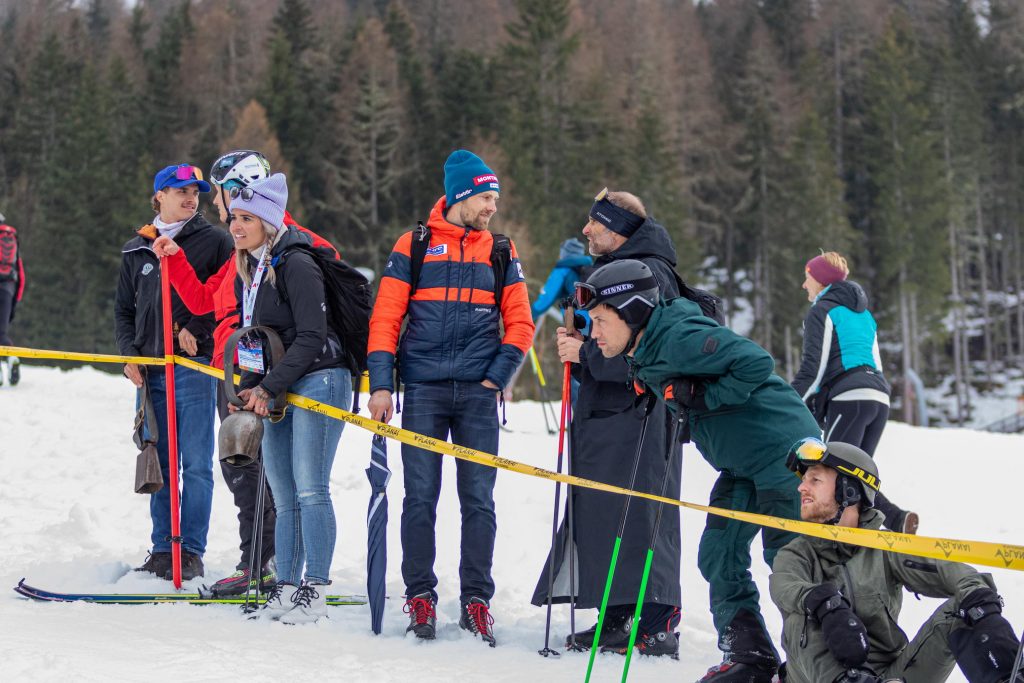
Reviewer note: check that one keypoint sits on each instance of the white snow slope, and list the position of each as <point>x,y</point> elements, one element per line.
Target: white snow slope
<point>70,521</point>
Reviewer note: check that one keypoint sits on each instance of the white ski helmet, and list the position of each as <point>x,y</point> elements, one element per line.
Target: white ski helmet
<point>241,166</point>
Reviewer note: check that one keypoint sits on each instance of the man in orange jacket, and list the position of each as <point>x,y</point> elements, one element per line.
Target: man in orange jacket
<point>454,362</point>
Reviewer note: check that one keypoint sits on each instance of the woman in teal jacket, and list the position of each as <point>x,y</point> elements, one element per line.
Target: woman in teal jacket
<point>743,418</point>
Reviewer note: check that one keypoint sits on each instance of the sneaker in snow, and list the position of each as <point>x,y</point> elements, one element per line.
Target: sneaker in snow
<point>422,616</point>
<point>310,604</point>
<point>15,371</point>
<point>614,632</point>
<point>738,672</point>
<point>158,564</point>
<point>279,601</point>
<point>476,618</point>
<point>191,566</point>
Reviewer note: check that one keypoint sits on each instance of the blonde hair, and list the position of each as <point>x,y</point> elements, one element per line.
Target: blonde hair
<point>836,261</point>
<point>273,235</point>
<point>629,202</point>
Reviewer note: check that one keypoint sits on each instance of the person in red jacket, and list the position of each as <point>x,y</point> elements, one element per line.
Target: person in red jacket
<point>234,170</point>
<point>12,286</point>
<point>454,361</point>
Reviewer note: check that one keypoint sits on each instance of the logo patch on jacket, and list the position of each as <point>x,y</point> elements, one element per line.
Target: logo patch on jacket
<point>147,269</point>
<point>710,345</point>
<point>438,250</point>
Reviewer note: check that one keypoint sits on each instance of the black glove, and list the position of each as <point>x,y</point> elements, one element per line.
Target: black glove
<point>845,635</point>
<point>688,393</point>
<point>987,646</point>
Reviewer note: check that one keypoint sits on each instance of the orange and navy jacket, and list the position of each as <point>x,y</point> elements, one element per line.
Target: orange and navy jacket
<point>453,329</point>
<point>217,294</point>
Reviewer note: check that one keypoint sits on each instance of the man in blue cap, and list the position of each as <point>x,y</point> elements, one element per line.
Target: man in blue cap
<point>454,358</point>
<point>138,319</point>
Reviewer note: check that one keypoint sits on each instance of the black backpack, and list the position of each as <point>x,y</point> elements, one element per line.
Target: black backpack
<point>501,256</point>
<point>710,305</point>
<point>348,304</point>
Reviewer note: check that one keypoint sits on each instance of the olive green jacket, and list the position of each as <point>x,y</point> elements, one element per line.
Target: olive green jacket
<point>873,581</point>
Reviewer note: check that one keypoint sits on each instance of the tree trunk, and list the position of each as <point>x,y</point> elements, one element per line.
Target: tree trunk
<point>908,406</point>
<point>983,285</point>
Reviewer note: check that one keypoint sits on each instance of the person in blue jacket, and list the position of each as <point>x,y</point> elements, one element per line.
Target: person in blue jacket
<point>840,376</point>
<point>572,258</point>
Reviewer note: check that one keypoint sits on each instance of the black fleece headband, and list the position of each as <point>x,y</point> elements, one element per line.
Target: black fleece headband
<point>616,219</point>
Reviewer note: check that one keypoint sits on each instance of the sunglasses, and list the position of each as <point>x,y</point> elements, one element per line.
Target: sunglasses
<point>246,193</point>
<point>188,172</point>
<point>807,452</point>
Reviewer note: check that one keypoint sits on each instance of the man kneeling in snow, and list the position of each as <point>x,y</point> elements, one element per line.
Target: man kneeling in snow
<point>840,602</point>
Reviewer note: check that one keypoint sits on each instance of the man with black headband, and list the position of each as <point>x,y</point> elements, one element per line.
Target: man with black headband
<point>743,419</point>
<point>840,602</point>
<point>606,427</point>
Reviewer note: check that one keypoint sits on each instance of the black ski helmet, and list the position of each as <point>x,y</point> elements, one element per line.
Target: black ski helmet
<point>628,286</point>
<point>857,480</point>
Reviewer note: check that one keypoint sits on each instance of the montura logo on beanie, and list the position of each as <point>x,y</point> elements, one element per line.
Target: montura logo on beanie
<point>465,175</point>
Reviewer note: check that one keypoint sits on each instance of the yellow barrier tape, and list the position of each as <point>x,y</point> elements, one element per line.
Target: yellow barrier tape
<point>21,352</point>
<point>1002,555</point>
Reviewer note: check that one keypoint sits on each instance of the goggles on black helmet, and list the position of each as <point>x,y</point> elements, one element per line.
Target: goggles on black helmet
<point>588,296</point>
<point>813,451</point>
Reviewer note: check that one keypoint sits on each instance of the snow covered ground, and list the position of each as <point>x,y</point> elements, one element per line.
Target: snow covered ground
<point>69,521</point>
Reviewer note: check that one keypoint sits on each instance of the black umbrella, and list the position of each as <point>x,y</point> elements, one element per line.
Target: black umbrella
<point>377,531</point>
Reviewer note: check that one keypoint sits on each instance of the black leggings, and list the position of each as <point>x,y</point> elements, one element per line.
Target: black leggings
<point>244,482</point>
<point>8,290</point>
<point>861,423</point>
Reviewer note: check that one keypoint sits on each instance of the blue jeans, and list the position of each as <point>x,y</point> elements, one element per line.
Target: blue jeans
<point>468,411</point>
<point>195,398</point>
<point>298,453</point>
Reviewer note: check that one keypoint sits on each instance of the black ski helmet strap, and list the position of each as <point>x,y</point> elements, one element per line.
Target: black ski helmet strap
<point>857,479</point>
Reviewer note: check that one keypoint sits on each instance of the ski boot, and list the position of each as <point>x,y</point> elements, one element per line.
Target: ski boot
<point>738,672</point>
<point>476,618</point>
<point>614,633</point>
<point>422,616</point>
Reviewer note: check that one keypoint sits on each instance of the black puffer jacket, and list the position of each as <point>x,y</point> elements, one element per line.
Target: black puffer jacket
<point>295,307</point>
<point>137,307</point>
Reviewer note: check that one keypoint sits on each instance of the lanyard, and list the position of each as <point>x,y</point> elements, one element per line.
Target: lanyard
<point>249,293</point>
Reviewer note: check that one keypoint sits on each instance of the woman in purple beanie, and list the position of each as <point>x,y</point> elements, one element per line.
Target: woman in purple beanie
<point>840,376</point>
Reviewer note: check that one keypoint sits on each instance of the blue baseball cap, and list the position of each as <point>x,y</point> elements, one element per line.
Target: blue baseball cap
<point>180,175</point>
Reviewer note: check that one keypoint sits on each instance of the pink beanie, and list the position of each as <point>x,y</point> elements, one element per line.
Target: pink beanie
<point>824,272</point>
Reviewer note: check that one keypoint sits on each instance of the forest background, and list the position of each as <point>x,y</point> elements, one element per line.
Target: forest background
<point>757,132</point>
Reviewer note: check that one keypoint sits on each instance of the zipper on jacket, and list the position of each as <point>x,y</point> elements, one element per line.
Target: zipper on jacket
<point>458,300</point>
<point>849,587</point>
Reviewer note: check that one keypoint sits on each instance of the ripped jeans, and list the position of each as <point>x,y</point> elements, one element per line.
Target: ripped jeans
<point>299,452</point>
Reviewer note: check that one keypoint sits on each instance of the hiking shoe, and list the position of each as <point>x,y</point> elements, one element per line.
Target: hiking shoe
<point>910,522</point>
<point>614,633</point>
<point>738,672</point>
<point>422,616</point>
<point>158,564</point>
<point>15,371</point>
<point>309,604</point>
<point>191,566</point>
<point>279,601</point>
<point>476,618</point>
<point>659,644</point>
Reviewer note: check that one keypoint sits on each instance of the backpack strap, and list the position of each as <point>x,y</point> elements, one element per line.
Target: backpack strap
<point>501,257</point>
<point>417,252</point>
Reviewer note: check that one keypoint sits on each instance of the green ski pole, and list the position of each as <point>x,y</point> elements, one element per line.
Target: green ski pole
<point>650,546</point>
<point>618,538</point>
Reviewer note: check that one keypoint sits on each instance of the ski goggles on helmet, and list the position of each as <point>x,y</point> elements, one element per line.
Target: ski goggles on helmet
<point>588,296</point>
<point>813,451</point>
<point>222,168</point>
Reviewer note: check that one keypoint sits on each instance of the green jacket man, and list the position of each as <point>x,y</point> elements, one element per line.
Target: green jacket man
<point>840,603</point>
<point>744,420</point>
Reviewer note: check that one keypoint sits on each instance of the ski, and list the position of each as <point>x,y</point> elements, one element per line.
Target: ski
<point>33,593</point>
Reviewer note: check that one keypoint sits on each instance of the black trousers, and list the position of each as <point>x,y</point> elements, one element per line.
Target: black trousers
<point>243,482</point>
<point>8,290</point>
<point>861,423</point>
